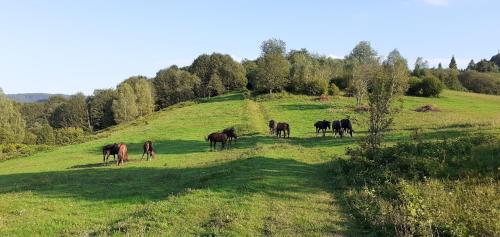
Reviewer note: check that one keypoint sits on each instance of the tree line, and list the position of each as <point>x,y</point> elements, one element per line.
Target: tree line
<point>62,120</point>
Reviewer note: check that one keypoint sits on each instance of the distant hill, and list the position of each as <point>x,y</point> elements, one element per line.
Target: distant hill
<point>33,97</point>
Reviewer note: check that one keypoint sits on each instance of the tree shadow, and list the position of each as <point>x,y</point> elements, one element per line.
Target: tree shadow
<point>133,184</point>
<point>222,98</point>
<point>280,179</point>
<point>306,106</point>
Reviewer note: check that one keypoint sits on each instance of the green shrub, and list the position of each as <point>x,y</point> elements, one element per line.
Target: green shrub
<point>45,135</point>
<point>431,87</point>
<point>29,138</point>
<point>414,87</point>
<point>341,82</point>
<point>315,87</point>
<point>333,90</point>
<point>70,135</point>
<point>443,188</point>
<point>488,83</point>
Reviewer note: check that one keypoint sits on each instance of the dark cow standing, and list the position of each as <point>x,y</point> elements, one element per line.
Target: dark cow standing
<point>322,126</point>
<point>122,154</point>
<point>217,137</point>
<point>231,134</point>
<point>148,150</point>
<point>272,126</point>
<point>337,128</point>
<point>346,126</point>
<point>110,149</point>
<point>283,127</point>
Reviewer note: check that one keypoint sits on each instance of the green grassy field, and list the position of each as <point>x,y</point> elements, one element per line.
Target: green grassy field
<point>261,186</point>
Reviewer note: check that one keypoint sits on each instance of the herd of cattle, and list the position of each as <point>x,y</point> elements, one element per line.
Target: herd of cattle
<point>227,136</point>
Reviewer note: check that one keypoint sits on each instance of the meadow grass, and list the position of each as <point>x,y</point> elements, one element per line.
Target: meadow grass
<point>261,186</point>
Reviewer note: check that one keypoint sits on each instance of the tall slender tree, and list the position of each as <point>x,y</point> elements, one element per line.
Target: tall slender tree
<point>125,107</point>
<point>12,125</point>
<point>453,63</point>
<point>361,63</point>
<point>145,99</point>
<point>387,85</point>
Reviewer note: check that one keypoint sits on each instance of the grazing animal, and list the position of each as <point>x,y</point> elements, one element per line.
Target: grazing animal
<point>283,127</point>
<point>231,134</point>
<point>217,137</point>
<point>122,154</point>
<point>148,150</point>
<point>322,126</point>
<point>110,149</point>
<point>346,126</point>
<point>337,128</point>
<point>272,126</point>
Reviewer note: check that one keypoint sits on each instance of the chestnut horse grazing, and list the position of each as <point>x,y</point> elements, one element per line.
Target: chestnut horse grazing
<point>148,150</point>
<point>217,137</point>
<point>272,126</point>
<point>283,127</point>
<point>110,149</point>
<point>122,154</point>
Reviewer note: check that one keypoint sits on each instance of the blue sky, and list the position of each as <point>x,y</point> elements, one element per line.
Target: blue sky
<point>72,46</point>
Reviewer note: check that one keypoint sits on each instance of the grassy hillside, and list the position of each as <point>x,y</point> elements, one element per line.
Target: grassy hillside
<point>261,186</point>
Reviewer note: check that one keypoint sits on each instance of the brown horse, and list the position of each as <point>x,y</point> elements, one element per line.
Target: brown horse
<point>272,126</point>
<point>148,150</point>
<point>217,137</point>
<point>122,154</point>
<point>283,127</point>
<point>111,149</point>
<point>231,134</point>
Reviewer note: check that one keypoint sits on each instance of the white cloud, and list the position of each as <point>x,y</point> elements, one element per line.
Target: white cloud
<point>437,2</point>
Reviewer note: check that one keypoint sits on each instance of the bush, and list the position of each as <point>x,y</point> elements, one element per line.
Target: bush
<point>443,188</point>
<point>315,87</point>
<point>10,151</point>
<point>333,90</point>
<point>29,138</point>
<point>431,87</point>
<point>341,82</point>
<point>70,135</point>
<point>45,135</point>
<point>415,87</point>
<point>487,83</point>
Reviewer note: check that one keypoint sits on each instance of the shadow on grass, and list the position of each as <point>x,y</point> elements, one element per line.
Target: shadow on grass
<point>223,98</point>
<point>278,179</point>
<point>306,106</point>
<point>133,184</point>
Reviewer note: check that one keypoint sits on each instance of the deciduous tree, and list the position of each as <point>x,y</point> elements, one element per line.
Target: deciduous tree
<point>173,85</point>
<point>124,106</point>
